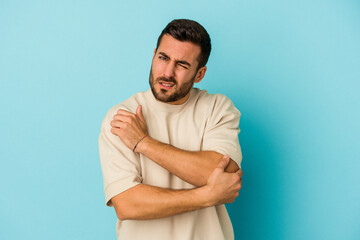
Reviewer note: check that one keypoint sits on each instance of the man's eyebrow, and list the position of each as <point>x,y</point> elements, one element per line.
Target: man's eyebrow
<point>164,54</point>
<point>177,61</point>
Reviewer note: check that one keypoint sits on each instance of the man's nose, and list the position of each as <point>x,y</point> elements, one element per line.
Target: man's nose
<point>169,70</point>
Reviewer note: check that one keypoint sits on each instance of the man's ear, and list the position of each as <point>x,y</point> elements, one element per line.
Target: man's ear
<point>154,52</point>
<point>200,74</point>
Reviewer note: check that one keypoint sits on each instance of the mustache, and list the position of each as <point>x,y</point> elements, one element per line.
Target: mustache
<point>169,80</point>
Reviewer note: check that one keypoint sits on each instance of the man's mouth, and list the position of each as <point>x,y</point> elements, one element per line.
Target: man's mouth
<point>166,85</point>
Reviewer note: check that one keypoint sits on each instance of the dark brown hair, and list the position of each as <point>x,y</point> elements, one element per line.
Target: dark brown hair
<point>186,30</point>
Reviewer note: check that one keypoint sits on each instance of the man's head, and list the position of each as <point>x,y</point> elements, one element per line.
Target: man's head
<point>181,54</point>
<point>186,30</point>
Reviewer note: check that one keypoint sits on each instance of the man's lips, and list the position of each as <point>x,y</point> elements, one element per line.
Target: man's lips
<point>166,85</point>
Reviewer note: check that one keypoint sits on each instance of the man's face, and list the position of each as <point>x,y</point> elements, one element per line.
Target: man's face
<point>174,70</point>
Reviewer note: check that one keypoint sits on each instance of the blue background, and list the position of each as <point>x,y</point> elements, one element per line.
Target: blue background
<point>290,67</point>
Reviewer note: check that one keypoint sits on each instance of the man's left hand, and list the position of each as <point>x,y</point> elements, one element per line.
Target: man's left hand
<point>129,127</point>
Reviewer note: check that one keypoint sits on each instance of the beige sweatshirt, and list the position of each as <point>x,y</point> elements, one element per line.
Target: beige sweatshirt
<point>204,122</point>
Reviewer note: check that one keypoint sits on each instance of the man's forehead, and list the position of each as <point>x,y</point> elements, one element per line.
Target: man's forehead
<point>179,50</point>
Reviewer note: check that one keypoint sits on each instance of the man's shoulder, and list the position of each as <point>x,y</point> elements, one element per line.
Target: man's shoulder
<point>215,104</point>
<point>202,96</point>
<point>129,104</point>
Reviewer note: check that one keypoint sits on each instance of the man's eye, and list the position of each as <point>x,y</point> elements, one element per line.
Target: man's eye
<point>162,57</point>
<point>183,66</point>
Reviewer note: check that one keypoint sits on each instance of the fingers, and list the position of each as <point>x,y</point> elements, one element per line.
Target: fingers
<point>125,113</point>
<point>224,162</point>
<point>126,116</point>
<point>123,118</point>
<point>139,113</point>
<point>240,172</point>
<point>117,124</point>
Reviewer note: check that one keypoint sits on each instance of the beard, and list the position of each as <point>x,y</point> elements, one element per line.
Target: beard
<point>179,93</point>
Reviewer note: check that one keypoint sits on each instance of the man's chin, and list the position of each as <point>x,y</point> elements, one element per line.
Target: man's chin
<point>162,97</point>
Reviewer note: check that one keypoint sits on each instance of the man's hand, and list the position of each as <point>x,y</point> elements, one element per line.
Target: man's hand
<point>223,187</point>
<point>129,127</point>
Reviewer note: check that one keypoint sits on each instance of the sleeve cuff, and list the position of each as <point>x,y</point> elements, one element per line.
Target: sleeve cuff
<point>120,186</point>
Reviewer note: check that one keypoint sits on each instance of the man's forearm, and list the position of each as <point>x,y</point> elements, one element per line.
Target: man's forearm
<point>192,167</point>
<point>149,202</point>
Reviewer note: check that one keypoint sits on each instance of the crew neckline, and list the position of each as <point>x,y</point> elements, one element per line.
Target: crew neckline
<point>166,107</point>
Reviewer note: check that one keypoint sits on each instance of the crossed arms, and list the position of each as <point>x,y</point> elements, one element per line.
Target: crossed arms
<point>217,177</point>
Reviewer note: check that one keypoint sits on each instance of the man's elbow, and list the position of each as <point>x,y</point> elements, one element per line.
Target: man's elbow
<point>121,215</point>
<point>125,212</point>
<point>123,208</point>
<point>232,167</point>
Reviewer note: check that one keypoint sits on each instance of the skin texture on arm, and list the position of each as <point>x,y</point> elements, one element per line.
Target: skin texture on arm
<point>192,167</point>
<point>149,202</point>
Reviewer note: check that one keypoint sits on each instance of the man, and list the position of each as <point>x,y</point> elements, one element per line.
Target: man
<point>170,156</point>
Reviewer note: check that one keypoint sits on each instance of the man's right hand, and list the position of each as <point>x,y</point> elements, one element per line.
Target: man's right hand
<point>223,187</point>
